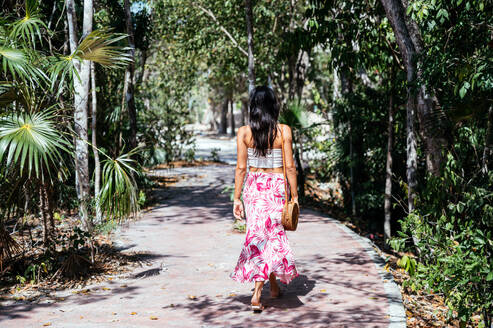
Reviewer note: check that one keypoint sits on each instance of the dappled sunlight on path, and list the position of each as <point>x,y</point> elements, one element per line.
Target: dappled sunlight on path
<point>188,249</point>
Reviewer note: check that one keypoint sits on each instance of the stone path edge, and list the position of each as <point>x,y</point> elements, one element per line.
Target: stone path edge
<point>396,311</point>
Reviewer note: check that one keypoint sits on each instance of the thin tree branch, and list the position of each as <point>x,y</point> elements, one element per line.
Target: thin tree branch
<point>394,53</point>
<point>209,13</point>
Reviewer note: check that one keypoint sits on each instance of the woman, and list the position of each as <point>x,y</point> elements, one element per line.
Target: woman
<point>266,253</point>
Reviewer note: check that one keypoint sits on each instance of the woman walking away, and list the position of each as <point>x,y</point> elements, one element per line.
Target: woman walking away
<point>266,253</point>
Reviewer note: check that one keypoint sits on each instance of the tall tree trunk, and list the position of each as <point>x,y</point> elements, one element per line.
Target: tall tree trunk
<point>488,144</point>
<point>81,93</point>
<point>232,117</point>
<point>142,76</point>
<point>351,171</point>
<point>97,165</point>
<point>346,90</point>
<point>251,59</point>
<point>299,165</point>
<point>129,78</point>
<point>223,124</point>
<point>301,69</point>
<point>424,105</point>
<point>291,79</point>
<point>396,15</point>
<point>388,168</point>
<point>213,114</point>
<point>44,215</point>
<point>46,208</point>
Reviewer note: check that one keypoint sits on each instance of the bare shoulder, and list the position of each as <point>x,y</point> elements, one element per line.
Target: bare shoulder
<point>286,129</point>
<point>244,132</point>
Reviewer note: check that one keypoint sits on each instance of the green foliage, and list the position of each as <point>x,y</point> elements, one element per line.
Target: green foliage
<point>409,264</point>
<point>240,226</point>
<point>215,154</point>
<point>107,226</point>
<point>294,115</point>
<point>118,196</point>
<point>75,240</point>
<point>453,226</point>
<point>29,27</point>
<point>229,190</point>
<point>458,59</point>
<point>32,142</point>
<point>190,154</point>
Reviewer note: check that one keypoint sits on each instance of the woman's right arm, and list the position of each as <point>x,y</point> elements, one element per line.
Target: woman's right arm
<point>290,166</point>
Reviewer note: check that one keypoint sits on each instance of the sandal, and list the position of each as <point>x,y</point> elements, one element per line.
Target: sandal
<point>257,307</point>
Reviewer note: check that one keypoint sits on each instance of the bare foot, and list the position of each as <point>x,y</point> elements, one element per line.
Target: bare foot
<point>257,293</point>
<point>275,291</point>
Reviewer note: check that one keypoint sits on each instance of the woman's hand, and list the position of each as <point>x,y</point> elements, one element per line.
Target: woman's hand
<point>238,210</point>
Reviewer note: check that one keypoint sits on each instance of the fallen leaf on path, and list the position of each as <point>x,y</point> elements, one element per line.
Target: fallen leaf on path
<point>47,324</point>
<point>232,294</point>
<point>192,297</point>
<point>123,286</point>
<point>82,317</point>
<point>133,313</point>
<point>219,295</point>
<point>106,288</point>
<point>153,317</point>
<point>323,290</point>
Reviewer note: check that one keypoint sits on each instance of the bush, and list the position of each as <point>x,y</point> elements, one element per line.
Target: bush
<point>453,228</point>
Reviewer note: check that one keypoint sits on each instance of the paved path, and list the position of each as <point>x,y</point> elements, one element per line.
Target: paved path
<point>191,249</point>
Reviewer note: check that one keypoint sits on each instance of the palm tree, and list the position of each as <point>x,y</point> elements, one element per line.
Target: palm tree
<point>32,144</point>
<point>118,196</point>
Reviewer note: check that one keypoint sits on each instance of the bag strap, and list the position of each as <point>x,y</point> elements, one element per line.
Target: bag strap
<point>284,166</point>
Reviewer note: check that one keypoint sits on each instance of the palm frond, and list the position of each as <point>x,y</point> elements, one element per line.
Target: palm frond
<point>32,141</point>
<point>118,196</point>
<point>20,63</point>
<point>294,115</point>
<point>29,27</point>
<point>14,61</point>
<point>61,69</point>
<point>8,246</point>
<point>7,93</point>
<point>97,47</point>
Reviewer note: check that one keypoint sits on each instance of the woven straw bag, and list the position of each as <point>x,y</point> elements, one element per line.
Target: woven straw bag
<point>291,210</point>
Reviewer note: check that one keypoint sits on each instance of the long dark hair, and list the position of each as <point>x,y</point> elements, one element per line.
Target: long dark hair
<point>264,112</point>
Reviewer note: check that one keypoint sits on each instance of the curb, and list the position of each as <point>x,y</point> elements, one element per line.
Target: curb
<point>396,311</point>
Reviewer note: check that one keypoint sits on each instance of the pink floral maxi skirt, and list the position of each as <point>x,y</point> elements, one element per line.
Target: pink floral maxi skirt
<point>266,247</point>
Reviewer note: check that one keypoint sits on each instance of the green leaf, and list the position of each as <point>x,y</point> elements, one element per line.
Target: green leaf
<point>463,89</point>
<point>32,142</point>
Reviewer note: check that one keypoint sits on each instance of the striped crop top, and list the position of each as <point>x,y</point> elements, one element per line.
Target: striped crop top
<point>272,159</point>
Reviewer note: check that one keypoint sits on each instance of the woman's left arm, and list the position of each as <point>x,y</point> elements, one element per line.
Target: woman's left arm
<point>241,168</point>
